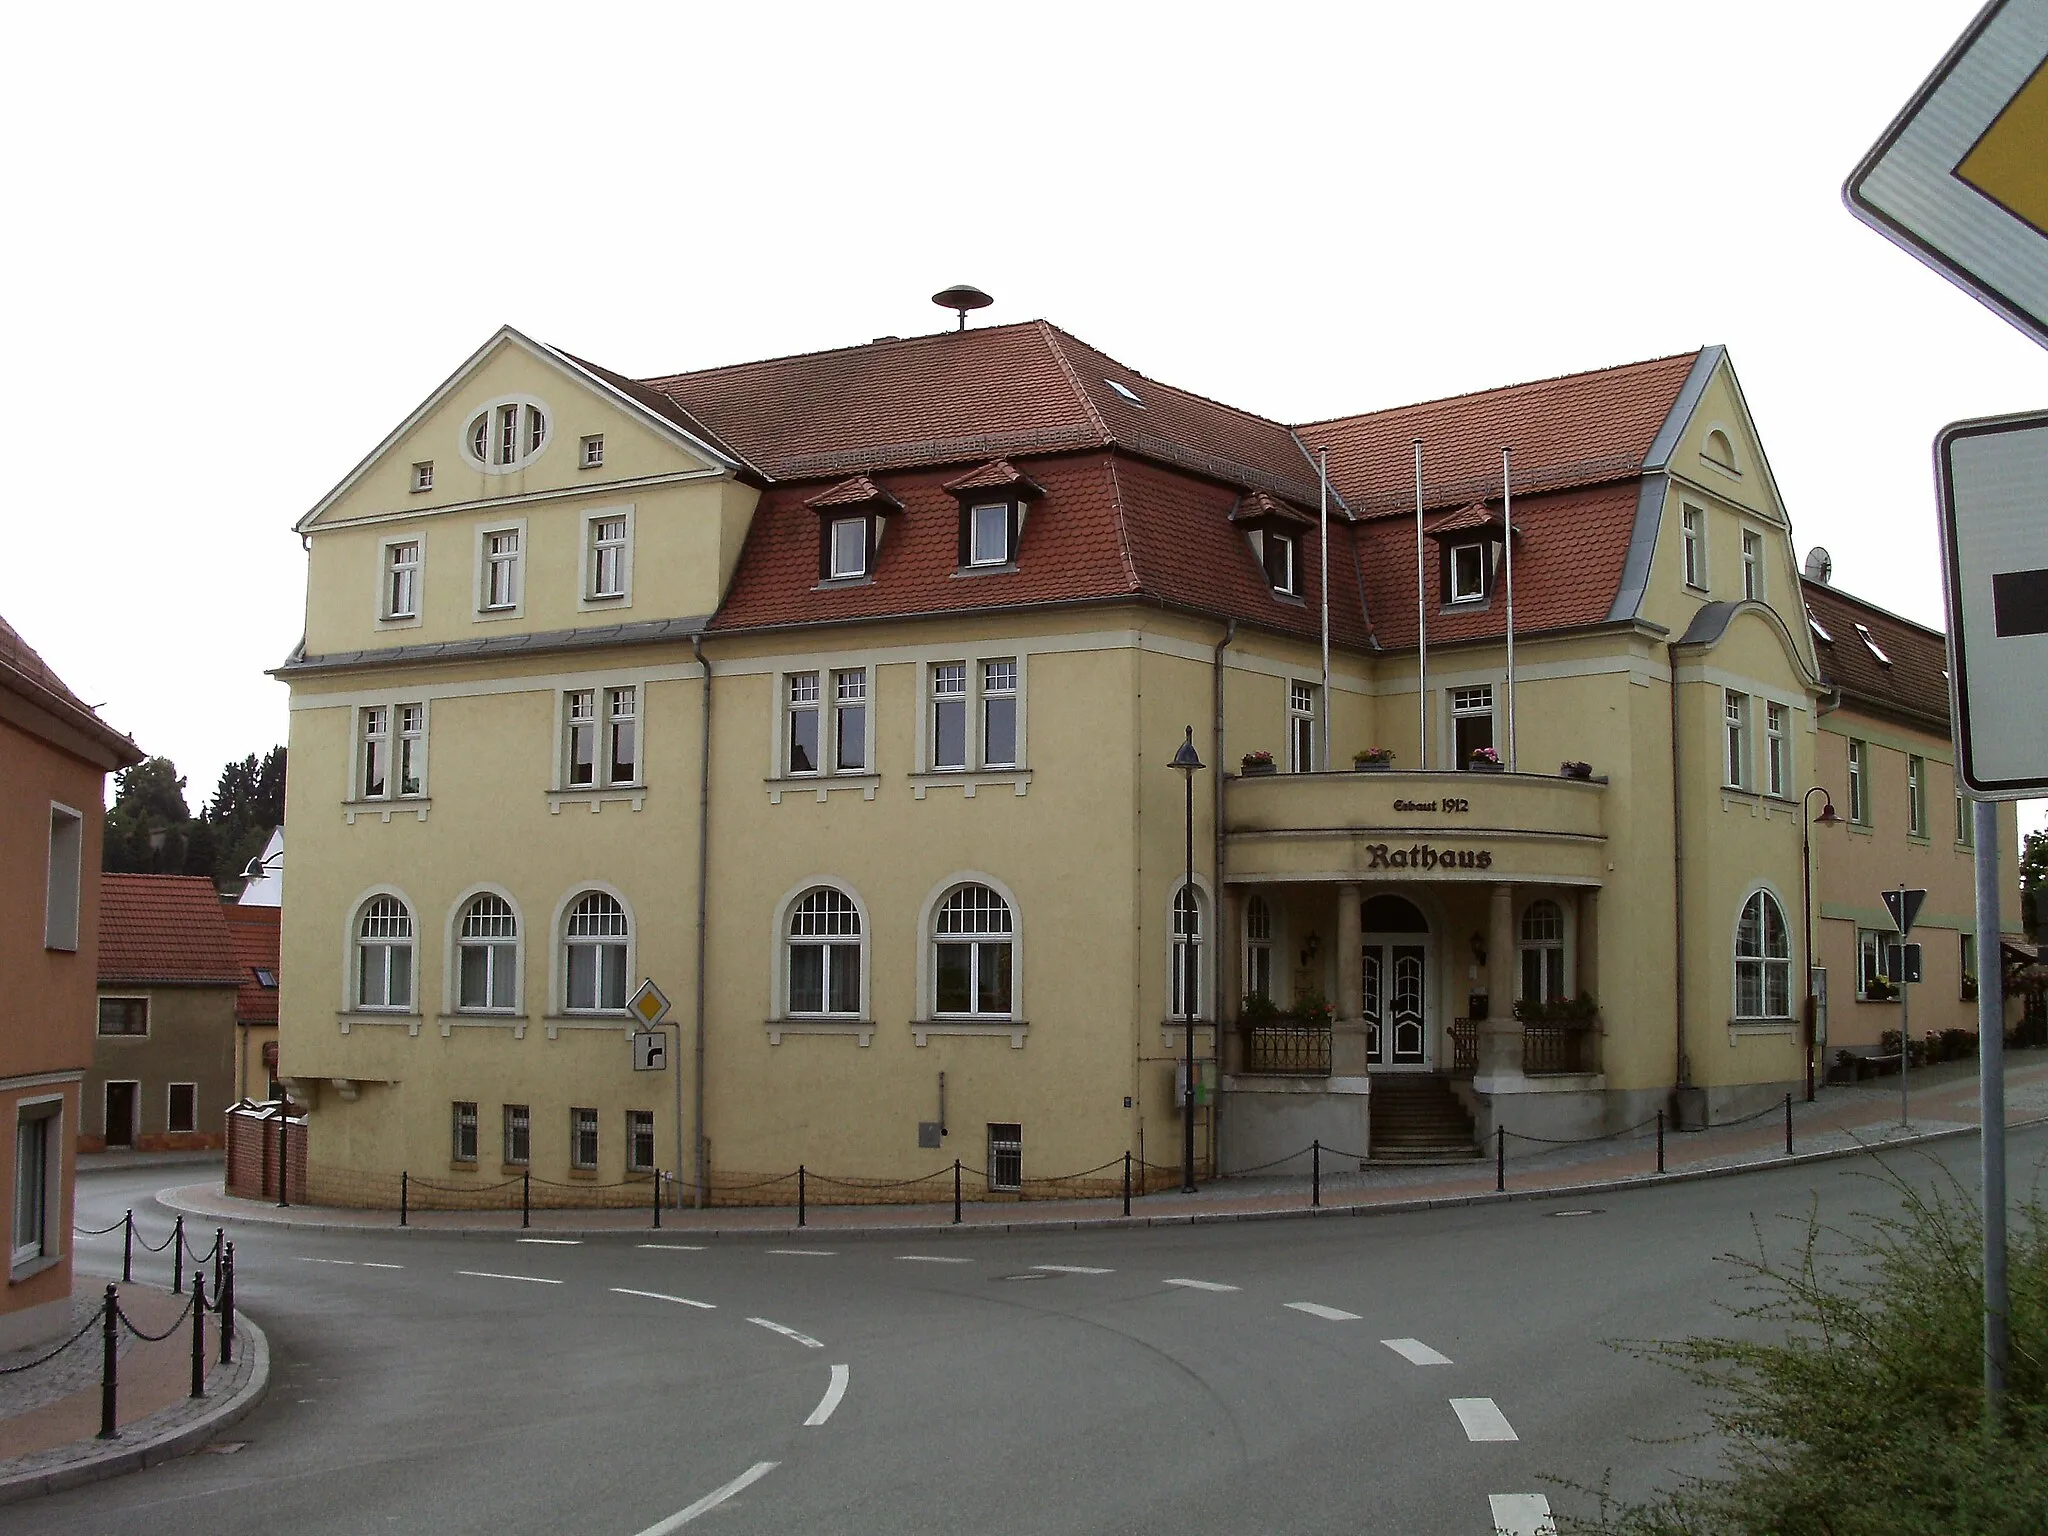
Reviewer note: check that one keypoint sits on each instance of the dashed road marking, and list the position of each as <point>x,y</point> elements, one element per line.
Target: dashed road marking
<point>1073,1269</point>
<point>1522,1514</point>
<point>485,1274</point>
<point>1202,1285</point>
<point>1415,1352</point>
<point>552,1242</point>
<point>805,1253</point>
<point>830,1400</point>
<point>788,1333</point>
<point>929,1258</point>
<point>309,1259</point>
<point>1317,1309</point>
<point>711,1500</point>
<point>1482,1419</point>
<point>372,1264</point>
<point>681,1301</point>
<point>674,1247</point>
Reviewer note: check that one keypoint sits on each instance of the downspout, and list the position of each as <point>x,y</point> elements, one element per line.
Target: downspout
<point>1678,875</point>
<point>1216,960</point>
<point>703,896</point>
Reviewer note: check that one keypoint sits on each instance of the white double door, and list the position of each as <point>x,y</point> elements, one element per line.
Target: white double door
<point>1395,1004</point>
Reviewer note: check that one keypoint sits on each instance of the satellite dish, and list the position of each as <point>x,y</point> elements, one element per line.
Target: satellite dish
<point>1820,565</point>
<point>960,298</point>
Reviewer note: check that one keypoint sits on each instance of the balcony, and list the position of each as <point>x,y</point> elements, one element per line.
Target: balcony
<point>1548,1050</point>
<point>1285,1047</point>
<point>1448,826</point>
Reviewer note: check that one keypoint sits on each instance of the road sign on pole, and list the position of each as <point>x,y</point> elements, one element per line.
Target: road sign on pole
<point>650,1051</point>
<point>1960,178</point>
<point>649,1005</point>
<point>1993,478</point>
<point>1904,906</point>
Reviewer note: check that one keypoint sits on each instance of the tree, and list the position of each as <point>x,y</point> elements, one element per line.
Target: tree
<point>247,803</point>
<point>147,829</point>
<point>152,831</point>
<point>2034,883</point>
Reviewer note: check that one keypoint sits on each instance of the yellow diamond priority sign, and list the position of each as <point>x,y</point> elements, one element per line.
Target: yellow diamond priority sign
<point>648,1005</point>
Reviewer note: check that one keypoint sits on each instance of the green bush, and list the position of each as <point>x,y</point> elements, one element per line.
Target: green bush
<point>1868,1417</point>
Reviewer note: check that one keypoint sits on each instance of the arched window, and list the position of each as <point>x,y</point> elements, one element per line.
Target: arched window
<point>384,955</point>
<point>1186,980</point>
<point>824,954</point>
<point>594,954</point>
<point>487,957</point>
<point>1763,960</point>
<point>1542,952</point>
<point>971,947</point>
<point>1258,948</point>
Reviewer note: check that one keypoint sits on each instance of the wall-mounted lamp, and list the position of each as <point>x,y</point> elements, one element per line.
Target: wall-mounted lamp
<point>1309,947</point>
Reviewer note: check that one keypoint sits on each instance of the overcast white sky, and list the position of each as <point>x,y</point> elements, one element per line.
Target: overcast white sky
<point>247,242</point>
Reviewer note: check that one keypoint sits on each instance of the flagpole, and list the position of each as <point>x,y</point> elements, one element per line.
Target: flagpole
<point>1323,550</point>
<point>1507,508</point>
<point>1421,626</point>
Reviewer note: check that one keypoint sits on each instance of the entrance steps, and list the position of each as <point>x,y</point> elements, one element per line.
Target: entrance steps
<point>1416,1118</point>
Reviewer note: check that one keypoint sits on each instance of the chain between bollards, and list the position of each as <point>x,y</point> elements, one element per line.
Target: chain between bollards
<point>800,1212</point>
<point>1127,1183</point>
<point>956,1191</point>
<point>1316,1175</point>
<point>1788,1125</point>
<point>108,1381</point>
<point>1500,1159</point>
<point>198,1334</point>
<point>128,1250</point>
<point>1660,1141</point>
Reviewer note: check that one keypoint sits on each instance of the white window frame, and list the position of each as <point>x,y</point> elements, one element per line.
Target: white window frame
<point>1304,725</point>
<point>389,615</point>
<point>171,1127</point>
<point>1287,583</point>
<point>1916,795</point>
<point>460,942</point>
<point>581,1118</point>
<point>1177,950</point>
<point>851,691</point>
<point>64,876</point>
<point>975,714</point>
<point>1765,963</point>
<point>1752,565</point>
<point>486,611</point>
<point>493,460</point>
<point>1858,754</point>
<point>402,728</point>
<point>1873,958</point>
<point>788,911</point>
<point>1777,748</point>
<point>637,1122</point>
<point>1005,1156</point>
<point>422,476</point>
<point>928,956</point>
<point>839,568</point>
<point>1258,978</point>
<point>516,1128</point>
<point>590,561</point>
<point>1693,528</point>
<point>603,697</point>
<point>359,944</point>
<point>1966,959</point>
<point>1465,703</point>
<point>1460,592</point>
<point>35,1234</point>
<point>463,1138</point>
<point>563,941</point>
<point>979,557</point>
<point>590,451</point>
<point>1738,770</point>
<point>1542,943</point>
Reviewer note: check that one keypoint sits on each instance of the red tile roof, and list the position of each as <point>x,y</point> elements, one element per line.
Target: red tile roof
<point>1259,507</point>
<point>25,673</point>
<point>254,933</point>
<point>1582,429</point>
<point>995,475</point>
<point>1478,515</point>
<point>164,930</point>
<point>860,491</point>
<point>1915,684</point>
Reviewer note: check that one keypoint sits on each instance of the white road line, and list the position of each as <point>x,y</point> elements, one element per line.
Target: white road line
<point>805,1253</point>
<point>1202,1285</point>
<point>307,1259</point>
<point>675,1247</point>
<point>553,1242</point>
<point>1330,1314</point>
<point>788,1333</point>
<point>929,1258</point>
<point>1521,1514</point>
<point>681,1301</point>
<point>711,1500</point>
<point>485,1274</point>
<point>1415,1352</point>
<point>830,1400</point>
<point>371,1264</point>
<point>1073,1269</point>
<point>1482,1419</point>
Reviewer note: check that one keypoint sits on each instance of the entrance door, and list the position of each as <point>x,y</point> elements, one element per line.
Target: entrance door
<point>1394,968</point>
<point>121,1114</point>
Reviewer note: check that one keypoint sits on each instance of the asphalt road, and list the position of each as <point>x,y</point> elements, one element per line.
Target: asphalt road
<point>1058,1382</point>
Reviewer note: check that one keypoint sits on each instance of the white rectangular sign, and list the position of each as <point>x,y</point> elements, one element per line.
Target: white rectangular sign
<point>1993,477</point>
<point>650,1051</point>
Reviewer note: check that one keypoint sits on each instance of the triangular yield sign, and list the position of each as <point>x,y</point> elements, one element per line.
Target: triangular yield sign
<point>1904,906</point>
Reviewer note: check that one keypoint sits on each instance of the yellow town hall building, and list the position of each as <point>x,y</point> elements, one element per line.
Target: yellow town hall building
<point>838,695</point>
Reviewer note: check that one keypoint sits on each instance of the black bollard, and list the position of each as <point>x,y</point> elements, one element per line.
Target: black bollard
<point>800,1212</point>
<point>1788,1125</point>
<point>657,1199</point>
<point>220,1238</point>
<point>1660,1141</point>
<point>178,1252</point>
<point>109,1339</point>
<point>1127,1183</point>
<point>284,1194</point>
<point>404,1197</point>
<point>1316,1175</point>
<point>128,1249</point>
<point>956,1191</point>
<point>226,1299</point>
<point>526,1199</point>
<point>1500,1159</point>
<point>198,1334</point>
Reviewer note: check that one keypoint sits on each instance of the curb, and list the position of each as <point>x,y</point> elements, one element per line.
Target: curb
<point>122,1457</point>
<point>168,1199</point>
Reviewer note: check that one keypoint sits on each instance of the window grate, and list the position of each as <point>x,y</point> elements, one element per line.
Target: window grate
<point>1006,1157</point>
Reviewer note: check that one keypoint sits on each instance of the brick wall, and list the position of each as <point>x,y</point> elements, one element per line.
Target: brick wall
<point>252,1156</point>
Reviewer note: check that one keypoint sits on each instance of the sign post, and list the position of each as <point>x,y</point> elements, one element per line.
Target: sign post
<point>1904,906</point>
<point>649,1007</point>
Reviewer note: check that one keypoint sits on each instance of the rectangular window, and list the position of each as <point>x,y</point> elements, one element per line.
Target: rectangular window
<point>518,1135</point>
<point>423,475</point>
<point>849,548</point>
<point>607,557</point>
<point>999,714</point>
<point>1873,970</point>
<point>580,738</point>
<point>402,579</point>
<point>989,535</point>
<point>1966,963</point>
<point>60,892</point>
<point>1468,573</point>
<point>1471,722</point>
<point>593,451</point>
<point>182,1113</point>
<point>949,715</point>
<point>375,753</point>
<point>1859,803</point>
<point>508,434</point>
<point>1776,748</point>
<point>1916,796</point>
<point>1735,707</point>
<point>124,1015</point>
<point>1301,726</point>
<point>1752,565</point>
<point>1280,563</point>
<point>1006,1157</point>
<point>501,569</point>
<point>1966,822</point>
<point>32,1164</point>
<point>1695,525</point>
<point>583,1138</point>
<point>850,721</point>
<point>463,1149</point>
<point>412,749</point>
<point>622,712</point>
<point>804,706</point>
<point>640,1141</point>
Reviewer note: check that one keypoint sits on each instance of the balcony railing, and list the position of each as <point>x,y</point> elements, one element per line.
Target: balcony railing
<point>1464,1047</point>
<point>1287,1048</point>
<point>1548,1050</point>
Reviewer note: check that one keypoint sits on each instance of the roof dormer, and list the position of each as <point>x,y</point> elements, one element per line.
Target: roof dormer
<point>1275,529</point>
<point>851,518</point>
<point>1470,542</point>
<point>993,502</point>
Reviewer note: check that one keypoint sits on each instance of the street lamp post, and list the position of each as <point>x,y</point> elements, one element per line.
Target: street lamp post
<point>1187,763</point>
<point>1827,818</point>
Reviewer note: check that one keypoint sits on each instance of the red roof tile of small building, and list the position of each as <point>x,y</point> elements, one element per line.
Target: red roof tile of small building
<point>860,491</point>
<point>995,475</point>
<point>1914,685</point>
<point>164,930</point>
<point>1478,515</point>
<point>1257,506</point>
<point>254,934</point>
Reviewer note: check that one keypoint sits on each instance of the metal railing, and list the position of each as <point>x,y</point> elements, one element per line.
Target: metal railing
<point>1552,1049</point>
<point>1287,1048</point>
<point>1464,1035</point>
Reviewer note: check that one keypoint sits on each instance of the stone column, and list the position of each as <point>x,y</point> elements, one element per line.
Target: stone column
<point>1500,1037</point>
<point>1230,983</point>
<point>1347,1040</point>
<point>1586,970</point>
